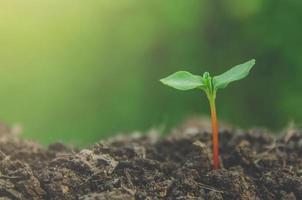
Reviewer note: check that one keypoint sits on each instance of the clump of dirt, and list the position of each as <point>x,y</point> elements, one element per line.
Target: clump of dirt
<point>256,165</point>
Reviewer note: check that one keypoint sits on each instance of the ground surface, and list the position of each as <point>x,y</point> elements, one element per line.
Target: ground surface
<point>256,165</point>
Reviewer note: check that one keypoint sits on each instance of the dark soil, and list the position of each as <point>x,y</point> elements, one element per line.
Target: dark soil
<point>256,165</point>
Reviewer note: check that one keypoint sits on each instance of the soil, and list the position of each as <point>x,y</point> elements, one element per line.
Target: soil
<point>256,164</point>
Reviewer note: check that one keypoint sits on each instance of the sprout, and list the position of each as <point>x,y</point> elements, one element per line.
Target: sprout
<point>183,80</point>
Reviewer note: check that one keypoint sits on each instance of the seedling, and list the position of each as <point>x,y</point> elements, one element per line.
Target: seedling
<point>183,80</point>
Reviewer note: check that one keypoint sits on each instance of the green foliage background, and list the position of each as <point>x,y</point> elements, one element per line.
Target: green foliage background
<point>77,71</point>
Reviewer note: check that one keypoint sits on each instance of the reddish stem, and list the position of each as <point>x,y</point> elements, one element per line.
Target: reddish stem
<point>215,134</point>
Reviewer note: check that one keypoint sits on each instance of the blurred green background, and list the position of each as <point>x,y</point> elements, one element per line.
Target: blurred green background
<point>77,71</point>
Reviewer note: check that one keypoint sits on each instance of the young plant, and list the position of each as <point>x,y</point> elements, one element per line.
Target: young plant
<point>183,80</point>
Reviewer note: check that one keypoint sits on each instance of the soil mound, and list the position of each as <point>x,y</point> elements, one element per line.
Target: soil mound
<point>256,165</point>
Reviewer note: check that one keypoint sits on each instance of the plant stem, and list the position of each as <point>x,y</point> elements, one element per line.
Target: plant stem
<point>215,133</point>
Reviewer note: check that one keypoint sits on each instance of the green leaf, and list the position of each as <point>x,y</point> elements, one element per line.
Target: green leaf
<point>183,80</point>
<point>236,73</point>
